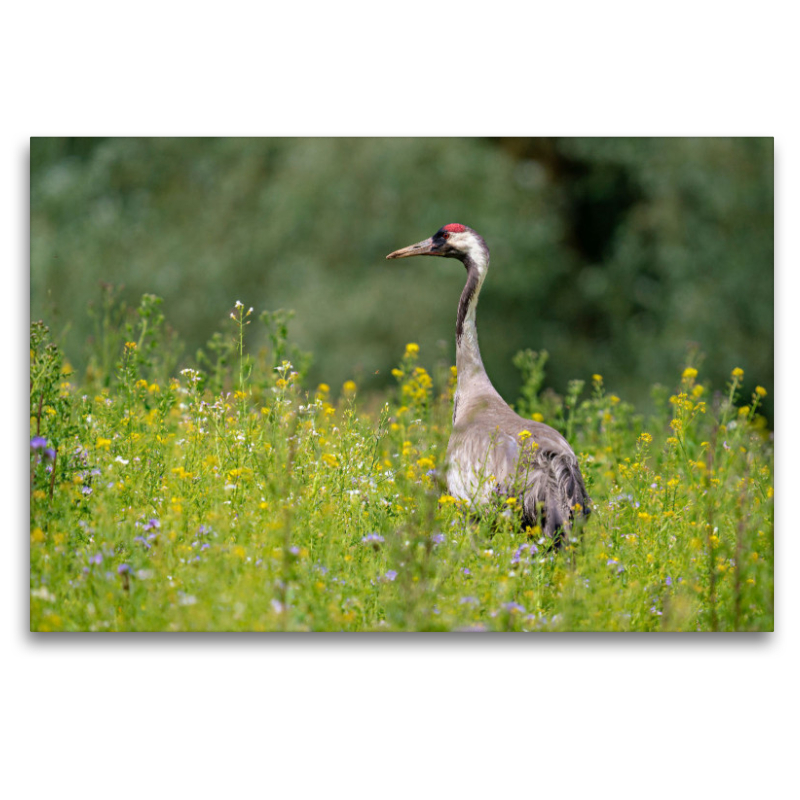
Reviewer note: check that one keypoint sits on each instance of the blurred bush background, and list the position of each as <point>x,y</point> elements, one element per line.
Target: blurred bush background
<point>615,255</point>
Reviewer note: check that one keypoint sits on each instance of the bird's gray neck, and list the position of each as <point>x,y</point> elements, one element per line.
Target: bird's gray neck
<point>472,378</point>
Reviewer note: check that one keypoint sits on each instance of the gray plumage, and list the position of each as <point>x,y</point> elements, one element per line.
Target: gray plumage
<point>493,453</point>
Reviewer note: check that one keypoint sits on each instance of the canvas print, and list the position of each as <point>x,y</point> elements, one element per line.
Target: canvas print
<point>401,384</point>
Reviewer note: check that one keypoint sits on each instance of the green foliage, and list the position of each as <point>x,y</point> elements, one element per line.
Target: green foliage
<point>614,253</point>
<point>242,499</point>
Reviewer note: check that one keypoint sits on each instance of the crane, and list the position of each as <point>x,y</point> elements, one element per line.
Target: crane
<point>493,452</point>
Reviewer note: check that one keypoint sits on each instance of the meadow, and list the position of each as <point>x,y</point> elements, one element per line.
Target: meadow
<point>231,496</point>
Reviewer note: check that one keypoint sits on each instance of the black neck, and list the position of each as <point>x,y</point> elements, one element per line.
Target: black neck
<point>468,296</point>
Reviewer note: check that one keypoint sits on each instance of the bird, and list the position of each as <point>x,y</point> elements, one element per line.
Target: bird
<point>493,453</point>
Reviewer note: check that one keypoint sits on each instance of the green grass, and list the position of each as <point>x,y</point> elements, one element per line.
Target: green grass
<point>233,497</point>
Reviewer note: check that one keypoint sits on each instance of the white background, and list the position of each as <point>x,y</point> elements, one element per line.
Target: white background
<point>397,716</point>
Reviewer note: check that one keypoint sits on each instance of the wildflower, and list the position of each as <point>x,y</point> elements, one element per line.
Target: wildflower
<point>689,374</point>
<point>513,607</point>
<point>597,378</point>
<point>330,459</point>
<point>390,575</point>
<point>537,417</point>
<point>437,538</point>
<point>130,346</point>
<point>511,501</point>
<point>152,524</point>
<point>761,391</point>
<point>375,539</point>
<point>523,435</point>
<point>446,500</point>
<point>645,438</point>
<point>412,349</point>
<point>349,387</point>
<point>122,569</point>
<point>737,374</point>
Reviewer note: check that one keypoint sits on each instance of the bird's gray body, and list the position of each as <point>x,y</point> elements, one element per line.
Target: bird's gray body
<point>493,452</point>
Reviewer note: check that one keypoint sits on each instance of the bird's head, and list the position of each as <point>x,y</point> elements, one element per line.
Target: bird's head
<point>450,241</point>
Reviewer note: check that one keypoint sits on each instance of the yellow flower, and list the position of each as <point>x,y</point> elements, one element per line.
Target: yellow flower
<point>537,417</point>
<point>690,373</point>
<point>511,501</point>
<point>737,373</point>
<point>597,378</point>
<point>130,345</point>
<point>101,442</point>
<point>37,535</point>
<point>761,391</point>
<point>398,373</point>
<point>446,500</point>
<point>330,459</point>
<point>523,435</point>
<point>645,438</point>
<point>323,388</point>
<point>412,349</point>
<point>349,387</point>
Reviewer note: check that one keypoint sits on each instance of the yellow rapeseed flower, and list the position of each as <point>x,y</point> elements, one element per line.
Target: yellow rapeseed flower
<point>523,435</point>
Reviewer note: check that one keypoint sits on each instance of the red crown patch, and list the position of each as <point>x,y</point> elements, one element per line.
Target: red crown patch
<point>454,227</point>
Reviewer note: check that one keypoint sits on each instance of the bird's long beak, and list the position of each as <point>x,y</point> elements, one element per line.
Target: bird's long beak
<point>424,248</point>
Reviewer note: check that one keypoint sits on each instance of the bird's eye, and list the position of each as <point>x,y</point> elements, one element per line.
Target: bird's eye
<point>445,235</point>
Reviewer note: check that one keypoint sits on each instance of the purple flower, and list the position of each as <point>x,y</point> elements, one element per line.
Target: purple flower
<point>465,571</point>
<point>437,538</point>
<point>668,581</point>
<point>373,538</point>
<point>142,540</point>
<point>152,524</point>
<point>471,600</point>
<point>122,569</point>
<point>511,607</point>
<point>38,443</point>
<point>97,558</point>
<point>390,575</point>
